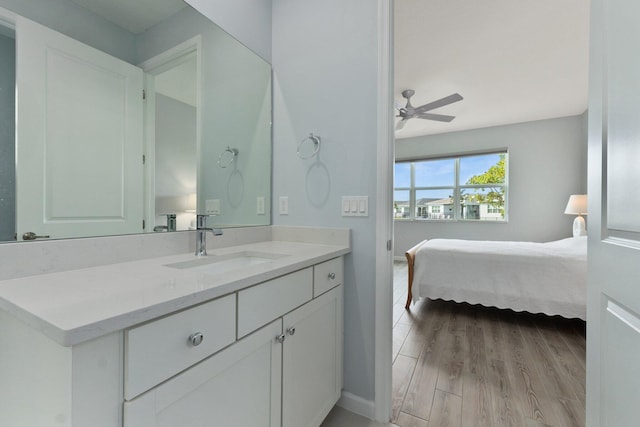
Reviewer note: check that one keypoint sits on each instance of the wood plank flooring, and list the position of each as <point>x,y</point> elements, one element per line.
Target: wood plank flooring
<point>462,365</point>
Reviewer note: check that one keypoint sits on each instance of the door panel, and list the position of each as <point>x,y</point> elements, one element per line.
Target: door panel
<point>621,372</point>
<point>312,360</point>
<point>623,93</point>
<point>79,139</point>
<point>613,307</point>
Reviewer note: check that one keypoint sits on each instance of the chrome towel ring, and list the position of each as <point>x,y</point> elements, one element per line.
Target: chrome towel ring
<point>227,157</point>
<point>315,146</point>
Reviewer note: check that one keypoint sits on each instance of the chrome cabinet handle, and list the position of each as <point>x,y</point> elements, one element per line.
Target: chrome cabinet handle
<point>280,338</point>
<point>291,330</point>
<point>332,276</point>
<point>30,235</point>
<point>196,339</point>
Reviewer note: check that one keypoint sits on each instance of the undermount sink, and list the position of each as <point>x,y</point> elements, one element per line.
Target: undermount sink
<point>216,264</point>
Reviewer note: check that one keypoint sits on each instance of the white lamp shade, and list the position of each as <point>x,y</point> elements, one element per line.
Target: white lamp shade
<point>577,205</point>
<point>175,204</point>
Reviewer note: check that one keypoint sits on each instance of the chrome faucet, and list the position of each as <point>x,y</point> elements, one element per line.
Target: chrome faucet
<point>201,234</point>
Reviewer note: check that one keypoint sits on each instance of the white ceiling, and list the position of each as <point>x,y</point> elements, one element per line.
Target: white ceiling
<point>512,60</point>
<point>134,16</point>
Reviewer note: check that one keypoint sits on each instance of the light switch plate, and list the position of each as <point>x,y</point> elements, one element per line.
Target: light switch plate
<point>355,206</point>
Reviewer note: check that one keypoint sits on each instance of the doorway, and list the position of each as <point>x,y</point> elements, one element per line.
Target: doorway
<point>172,134</point>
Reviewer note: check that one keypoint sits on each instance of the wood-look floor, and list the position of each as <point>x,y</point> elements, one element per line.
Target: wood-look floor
<point>463,365</point>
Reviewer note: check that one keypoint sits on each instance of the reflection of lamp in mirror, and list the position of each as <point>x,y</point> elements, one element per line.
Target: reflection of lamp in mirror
<point>178,210</point>
<point>577,205</point>
<point>192,200</point>
<point>190,203</point>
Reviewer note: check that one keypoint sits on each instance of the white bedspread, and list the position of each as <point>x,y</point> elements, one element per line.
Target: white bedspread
<point>548,278</point>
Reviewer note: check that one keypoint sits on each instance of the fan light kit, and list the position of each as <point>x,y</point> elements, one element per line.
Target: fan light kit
<point>409,111</point>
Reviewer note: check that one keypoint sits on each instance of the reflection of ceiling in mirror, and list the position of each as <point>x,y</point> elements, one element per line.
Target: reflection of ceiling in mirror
<point>179,82</point>
<point>134,16</point>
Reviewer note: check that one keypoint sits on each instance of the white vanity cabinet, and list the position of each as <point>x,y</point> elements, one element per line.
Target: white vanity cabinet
<point>266,355</point>
<point>287,373</point>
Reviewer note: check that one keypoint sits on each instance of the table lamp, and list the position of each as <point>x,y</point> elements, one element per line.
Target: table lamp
<point>577,205</point>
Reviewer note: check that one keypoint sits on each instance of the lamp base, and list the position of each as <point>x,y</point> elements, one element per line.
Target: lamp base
<point>579,227</point>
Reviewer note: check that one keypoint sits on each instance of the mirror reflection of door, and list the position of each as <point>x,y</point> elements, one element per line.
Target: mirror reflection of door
<point>7,134</point>
<point>172,139</point>
<point>79,138</point>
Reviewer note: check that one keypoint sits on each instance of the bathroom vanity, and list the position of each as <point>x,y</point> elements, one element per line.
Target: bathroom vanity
<point>249,336</point>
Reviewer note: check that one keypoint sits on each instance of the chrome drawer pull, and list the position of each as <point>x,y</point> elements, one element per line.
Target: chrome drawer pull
<point>196,339</point>
<point>280,338</point>
<point>291,330</point>
<point>332,276</point>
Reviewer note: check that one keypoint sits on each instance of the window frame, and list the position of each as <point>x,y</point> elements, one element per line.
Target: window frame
<point>456,189</point>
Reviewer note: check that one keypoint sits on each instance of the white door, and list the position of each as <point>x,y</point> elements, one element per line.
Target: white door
<point>312,360</point>
<point>238,387</point>
<point>613,313</point>
<point>79,138</point>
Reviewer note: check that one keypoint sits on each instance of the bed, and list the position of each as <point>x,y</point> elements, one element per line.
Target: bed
<point>549,278</point>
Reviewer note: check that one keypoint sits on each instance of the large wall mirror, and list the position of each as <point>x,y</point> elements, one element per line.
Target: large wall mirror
<point>121,117</point>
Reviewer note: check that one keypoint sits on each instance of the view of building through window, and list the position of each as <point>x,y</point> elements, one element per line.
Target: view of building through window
<point>472,187</point>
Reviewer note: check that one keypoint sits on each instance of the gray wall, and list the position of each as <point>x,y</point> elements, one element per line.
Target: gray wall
<point>547,163</point>
<point>175,159</point>
<point>175,147</point>
<point>7,138</point>
<point>68,18</point>
<point>325,81</point>
<point>234,79</point>
<point>249,21</point>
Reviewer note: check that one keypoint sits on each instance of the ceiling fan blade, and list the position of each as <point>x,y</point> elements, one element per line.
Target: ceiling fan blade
<point>439,103</point>
<point>399,105</point>
<point>400,124</point>
<point>436,117</point>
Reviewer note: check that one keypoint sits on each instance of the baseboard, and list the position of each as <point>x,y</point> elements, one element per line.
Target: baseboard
<point>357,405</point>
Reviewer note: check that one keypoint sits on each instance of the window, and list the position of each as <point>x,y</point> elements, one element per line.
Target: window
<point>462,188</point>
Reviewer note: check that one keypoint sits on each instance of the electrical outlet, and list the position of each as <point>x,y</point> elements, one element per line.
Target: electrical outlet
<point>213,207</point>
<point>284,205</point>
<point>260,205</point>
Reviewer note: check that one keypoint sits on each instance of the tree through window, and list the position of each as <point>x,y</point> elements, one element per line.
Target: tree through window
<point>469,187</point>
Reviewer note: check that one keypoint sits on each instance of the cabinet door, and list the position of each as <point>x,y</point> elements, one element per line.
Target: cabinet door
<point>312,360</point>
<point>240,386</point>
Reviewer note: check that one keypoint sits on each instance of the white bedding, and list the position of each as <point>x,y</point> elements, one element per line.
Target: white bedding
<point>548,278</point>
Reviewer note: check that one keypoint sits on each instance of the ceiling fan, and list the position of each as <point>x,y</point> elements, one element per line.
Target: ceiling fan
<point>409,111</point>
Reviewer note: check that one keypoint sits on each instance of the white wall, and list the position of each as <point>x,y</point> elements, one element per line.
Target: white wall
<point>547,163</point>
<point>325,82</point>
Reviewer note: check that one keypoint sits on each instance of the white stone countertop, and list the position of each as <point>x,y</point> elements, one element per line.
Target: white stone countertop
<point>74,306</point>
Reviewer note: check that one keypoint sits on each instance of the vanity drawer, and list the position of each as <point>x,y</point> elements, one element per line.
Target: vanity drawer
<point>328,275</point>
<point>160,349</point>
<point>262,303</point>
